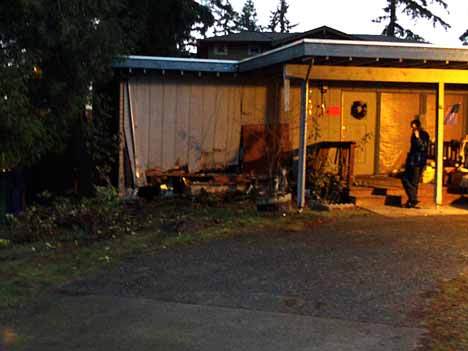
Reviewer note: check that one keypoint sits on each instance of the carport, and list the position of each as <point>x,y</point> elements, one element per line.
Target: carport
<point>372,62</point>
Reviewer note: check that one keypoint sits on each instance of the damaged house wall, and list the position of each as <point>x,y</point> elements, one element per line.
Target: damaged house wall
<point>188,122</point>
<point>195,123</point>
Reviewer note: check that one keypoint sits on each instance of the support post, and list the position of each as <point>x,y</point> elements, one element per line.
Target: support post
<point>301,171</point>
<point>439,144</point>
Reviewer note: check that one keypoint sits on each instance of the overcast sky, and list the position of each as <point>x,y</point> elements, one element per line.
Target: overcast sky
<point>355,17</point>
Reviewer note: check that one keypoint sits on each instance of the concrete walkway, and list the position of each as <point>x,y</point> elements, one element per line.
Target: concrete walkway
<point>377,207</point>
<point>88,323</point>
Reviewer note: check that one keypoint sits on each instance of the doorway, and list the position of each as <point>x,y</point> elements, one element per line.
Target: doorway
<point>358,124</point>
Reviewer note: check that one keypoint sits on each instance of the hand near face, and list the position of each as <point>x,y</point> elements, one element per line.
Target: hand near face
<point>416,133</point>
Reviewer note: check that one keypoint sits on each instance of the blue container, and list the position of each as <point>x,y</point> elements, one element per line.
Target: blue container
<point>3,195</point>
<point>12,191</point>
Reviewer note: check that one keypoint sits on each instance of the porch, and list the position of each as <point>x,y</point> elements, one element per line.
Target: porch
<point>384,195</point>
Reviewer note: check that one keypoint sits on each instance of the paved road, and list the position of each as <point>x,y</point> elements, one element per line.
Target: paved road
<point>350,284</point>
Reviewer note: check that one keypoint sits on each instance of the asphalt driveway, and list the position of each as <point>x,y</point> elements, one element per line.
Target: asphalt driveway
<point>347,284</point>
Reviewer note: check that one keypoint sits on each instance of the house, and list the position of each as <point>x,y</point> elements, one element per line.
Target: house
<point>237,46</point>
<point>192,115</point>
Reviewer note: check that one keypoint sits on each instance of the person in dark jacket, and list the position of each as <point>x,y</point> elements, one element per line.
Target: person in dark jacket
<point>415,162</point>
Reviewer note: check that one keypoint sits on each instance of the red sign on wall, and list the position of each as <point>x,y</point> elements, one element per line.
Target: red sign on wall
<point>334,111</point>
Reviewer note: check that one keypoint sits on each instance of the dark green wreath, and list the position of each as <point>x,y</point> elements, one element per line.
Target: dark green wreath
<point>359,109</point>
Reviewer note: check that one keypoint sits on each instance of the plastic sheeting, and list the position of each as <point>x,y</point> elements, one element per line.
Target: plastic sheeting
<point>397,112</point>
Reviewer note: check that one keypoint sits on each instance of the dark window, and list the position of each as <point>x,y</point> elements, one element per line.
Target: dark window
<point>221,50</point>
<point>254,50</point>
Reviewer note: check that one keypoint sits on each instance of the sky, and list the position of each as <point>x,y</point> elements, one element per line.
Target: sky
<point>355,17</point>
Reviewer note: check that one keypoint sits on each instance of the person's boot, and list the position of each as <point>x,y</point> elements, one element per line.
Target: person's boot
<point>412,204</point>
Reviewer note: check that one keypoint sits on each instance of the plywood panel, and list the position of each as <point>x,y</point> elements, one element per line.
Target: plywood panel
<point>293,116</point>
<point>235,121</point>
<point>196,125</point>
<point>156,91</point>
<point>261,100</point>
<point>428,115</point>
<point>211,95</point>
<point>397,112</point>
<point>221,126</point>
<point>184,90</point>
<point>229,121</point>
<point>248,103</point>
<point>169,128</point>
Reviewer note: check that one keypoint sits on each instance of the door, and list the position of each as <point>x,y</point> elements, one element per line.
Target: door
<point>358,124</point>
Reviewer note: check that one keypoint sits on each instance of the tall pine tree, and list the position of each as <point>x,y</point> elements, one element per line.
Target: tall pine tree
<point>279,21</point>
<point>226,19</point>
<point>415,9</point>
<point>464,38</point>
<point>165,27</point>
<point>248,18</point>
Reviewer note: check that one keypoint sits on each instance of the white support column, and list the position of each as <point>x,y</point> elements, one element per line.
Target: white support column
<point>439,144</point>
<point>301,171</point>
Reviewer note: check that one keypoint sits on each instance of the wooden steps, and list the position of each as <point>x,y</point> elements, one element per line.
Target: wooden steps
<point>381,195</point>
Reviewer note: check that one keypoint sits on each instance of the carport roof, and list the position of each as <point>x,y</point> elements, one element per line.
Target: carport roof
<point>175,63</point>
<point>322,52</point>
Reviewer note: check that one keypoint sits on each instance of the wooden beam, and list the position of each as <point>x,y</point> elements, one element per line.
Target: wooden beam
<point>301,169</point>
<point>286,91</point>
<point>374,74</point>
<point>439,144</point>
<point>129,134</point>
<point>122,187</point>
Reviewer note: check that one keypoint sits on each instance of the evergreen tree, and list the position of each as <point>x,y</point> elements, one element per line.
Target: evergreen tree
<point>226,19</point>
<point>52,50</point>
<point>415,9</point>
<point>278,19</point>
<point>248,17</point>
<point>464,38</point>
<point>50,53</point>
<point>165,27</point>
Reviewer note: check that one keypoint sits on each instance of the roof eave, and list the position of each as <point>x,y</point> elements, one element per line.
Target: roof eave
<point>358,49</point>
<point>303,49</point>
<point>175,64</point>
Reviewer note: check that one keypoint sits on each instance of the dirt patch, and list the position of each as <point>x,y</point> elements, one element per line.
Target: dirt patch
<point>446,316</point>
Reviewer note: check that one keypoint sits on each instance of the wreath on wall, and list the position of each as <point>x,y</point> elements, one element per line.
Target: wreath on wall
<point>359,109</point>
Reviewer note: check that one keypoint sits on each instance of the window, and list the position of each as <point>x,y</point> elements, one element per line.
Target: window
<point>221,50</point>
<point>254,50</point>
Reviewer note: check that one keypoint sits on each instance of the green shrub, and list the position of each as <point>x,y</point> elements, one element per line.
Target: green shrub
<point>4,243</point>
<point>67,219</point>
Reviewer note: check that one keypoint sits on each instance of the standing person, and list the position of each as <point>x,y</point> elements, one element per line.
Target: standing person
<point>415,162</point>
